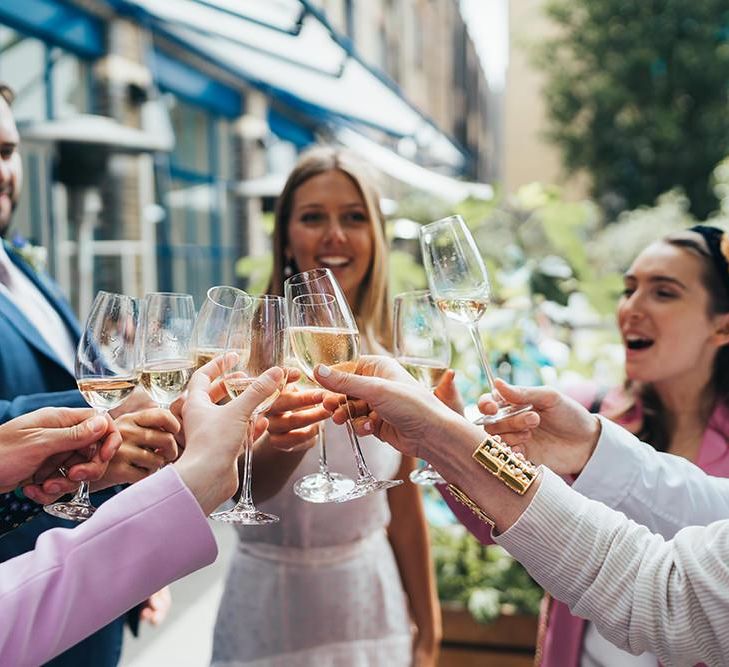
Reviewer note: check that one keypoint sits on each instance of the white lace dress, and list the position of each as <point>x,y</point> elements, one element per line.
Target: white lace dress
<point>321,587</point>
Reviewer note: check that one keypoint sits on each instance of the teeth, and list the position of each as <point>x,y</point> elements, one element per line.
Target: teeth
<point>334,261</point>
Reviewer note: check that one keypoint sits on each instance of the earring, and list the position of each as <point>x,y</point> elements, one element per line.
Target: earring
<point>288,270</point>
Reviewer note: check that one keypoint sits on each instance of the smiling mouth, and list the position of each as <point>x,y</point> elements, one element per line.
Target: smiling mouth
<point>638,343</point>
<point>334,261</point>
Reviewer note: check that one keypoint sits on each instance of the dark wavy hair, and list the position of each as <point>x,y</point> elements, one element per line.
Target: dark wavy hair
<point>654,427</point>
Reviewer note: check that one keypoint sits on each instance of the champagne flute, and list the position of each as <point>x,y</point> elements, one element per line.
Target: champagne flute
<point>460,287</point>
<point>257,334</point>
<point>167,363</point>
<point>423,349</point>
<point>106,373</point>
<point>323,331</point>
<point>211,324</point>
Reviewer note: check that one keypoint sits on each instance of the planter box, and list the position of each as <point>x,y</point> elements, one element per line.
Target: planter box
<point>507,642</point>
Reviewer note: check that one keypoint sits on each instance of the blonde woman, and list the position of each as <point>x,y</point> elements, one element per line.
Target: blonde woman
<point>346,584</point>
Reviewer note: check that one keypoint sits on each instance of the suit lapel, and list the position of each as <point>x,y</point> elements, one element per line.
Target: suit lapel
<point>49,291</point>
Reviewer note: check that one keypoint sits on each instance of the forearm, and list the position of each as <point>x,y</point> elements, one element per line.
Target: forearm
<point>410,541</point>
<point>660,491</point>
<point>93,571</point>
<point>273,468</point>
<point>643,594</point>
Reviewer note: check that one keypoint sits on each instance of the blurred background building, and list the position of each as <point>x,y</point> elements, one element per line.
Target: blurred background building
<point>156,132</point>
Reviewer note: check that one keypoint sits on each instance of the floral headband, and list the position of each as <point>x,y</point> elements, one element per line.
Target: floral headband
<point>718,242</point>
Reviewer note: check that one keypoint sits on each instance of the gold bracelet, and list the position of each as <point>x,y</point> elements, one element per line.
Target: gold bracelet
<point>465,500</point>
<point>510,467</point>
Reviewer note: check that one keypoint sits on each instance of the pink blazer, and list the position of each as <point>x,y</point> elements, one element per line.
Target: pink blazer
<point>562,645</point>
<point>76,581</point>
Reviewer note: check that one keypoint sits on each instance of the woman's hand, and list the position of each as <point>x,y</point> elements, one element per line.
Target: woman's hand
<point>558,432</point>
<point>401,411</point>
<point>156,607</point>
<point>448,393</point>
<point>293,420</point>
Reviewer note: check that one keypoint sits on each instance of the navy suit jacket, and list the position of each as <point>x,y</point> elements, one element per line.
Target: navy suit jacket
<point>32,377</point>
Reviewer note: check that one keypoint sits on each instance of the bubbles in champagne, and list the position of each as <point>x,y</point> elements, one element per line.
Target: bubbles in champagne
<point>106,393</point>
<point>462,309</point>
<point>164,381</point>
<point>236,385</point>
<point>323,345</point>
<point>203,356</point>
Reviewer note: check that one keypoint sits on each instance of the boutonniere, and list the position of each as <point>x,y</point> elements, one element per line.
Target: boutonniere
<point>35,255</point>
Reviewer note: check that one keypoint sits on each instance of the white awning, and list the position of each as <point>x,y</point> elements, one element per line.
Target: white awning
<point>283,48</point>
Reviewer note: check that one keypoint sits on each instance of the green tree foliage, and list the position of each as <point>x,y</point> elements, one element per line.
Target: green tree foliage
<point>637,95</point>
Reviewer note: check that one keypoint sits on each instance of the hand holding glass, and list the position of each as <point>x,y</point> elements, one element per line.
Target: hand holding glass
<point>106,373</point>
<point>459,285</point>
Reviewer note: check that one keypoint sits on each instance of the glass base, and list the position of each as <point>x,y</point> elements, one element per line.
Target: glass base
<point>427,476</point>
<point>503,413</point>
<point>250,517</point>
<point>323,488</point>
<point>73,511</point>
<point>365,487</point>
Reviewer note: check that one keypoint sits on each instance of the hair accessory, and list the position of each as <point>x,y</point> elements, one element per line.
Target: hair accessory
<point>718,242</point>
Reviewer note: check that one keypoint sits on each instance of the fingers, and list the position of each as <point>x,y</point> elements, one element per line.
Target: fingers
<point>295,400</point>
<point>78,435</point>
<point>282,423</point>
<point>203,376</point>
<point>49,491</point>
<point>358,386</point>
<point>260,428</point>
<point>525,422</point>
<point>539,397</point>
<point>294,440</point>
<point>264,386</point>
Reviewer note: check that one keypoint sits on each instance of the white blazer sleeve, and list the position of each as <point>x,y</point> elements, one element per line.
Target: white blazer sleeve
<point>642,593</point>
<point>660,491</point>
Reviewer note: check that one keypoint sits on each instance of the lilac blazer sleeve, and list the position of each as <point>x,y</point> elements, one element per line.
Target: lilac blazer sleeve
<point>76,581</point>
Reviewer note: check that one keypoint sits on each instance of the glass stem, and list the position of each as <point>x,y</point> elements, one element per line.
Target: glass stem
<point>323,467</point>
<point>82,495</point>
<point>473,330</point>
<point>362,469</point>
<point>246,494</point>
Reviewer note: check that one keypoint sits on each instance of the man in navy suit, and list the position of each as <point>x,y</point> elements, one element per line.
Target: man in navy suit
<point>38,338</point>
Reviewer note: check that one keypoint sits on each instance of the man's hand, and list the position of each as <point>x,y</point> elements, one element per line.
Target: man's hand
<point>51,437</point>
<point>559,432</point>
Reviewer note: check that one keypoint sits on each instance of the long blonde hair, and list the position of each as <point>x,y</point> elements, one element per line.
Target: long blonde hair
<point>372,309</point>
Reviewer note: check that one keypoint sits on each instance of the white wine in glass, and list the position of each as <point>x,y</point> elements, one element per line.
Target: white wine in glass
<point>323,331</point>
<point>423,349</point>
<point>459,285</point>
<point>257,335</point>
<point>106,370</point>
<point>167,360</point>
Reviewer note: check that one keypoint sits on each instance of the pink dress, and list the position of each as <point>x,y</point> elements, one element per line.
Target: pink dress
<point>562,632</point>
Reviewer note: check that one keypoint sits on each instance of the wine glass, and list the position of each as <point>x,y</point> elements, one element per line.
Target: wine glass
<point>257,334</point>
<point>460,287</point>
<point>211,324</point>
<point>423,349</point>
<point>323,331</point>
<point>106,373</point>
<point>167,362</point>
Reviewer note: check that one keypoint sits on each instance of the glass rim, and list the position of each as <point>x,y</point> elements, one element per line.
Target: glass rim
<point>413,293</point>
<point>324,298</point>
<point>442,221</point>
<point>297,278</point>
<point>175,294</point>
<point>238,294</point>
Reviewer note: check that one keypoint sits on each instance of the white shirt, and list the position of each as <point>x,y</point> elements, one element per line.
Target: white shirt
<point>25,296</point>
<point>643,593</point>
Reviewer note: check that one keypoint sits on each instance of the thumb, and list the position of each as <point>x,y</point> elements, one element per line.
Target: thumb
<point>358,386</point>
<point>539,397</point>
<point>261,388</point>
<point>77,436</point>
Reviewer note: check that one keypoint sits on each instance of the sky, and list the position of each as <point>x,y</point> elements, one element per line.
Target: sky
<point>488,25</point>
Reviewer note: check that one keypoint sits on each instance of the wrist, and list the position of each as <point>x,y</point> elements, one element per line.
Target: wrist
<point>595,430</point>
<point>210,482</point>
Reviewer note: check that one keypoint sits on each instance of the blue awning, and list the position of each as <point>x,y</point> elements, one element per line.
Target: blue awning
<point>288,50</point>
<point>56,23</point>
